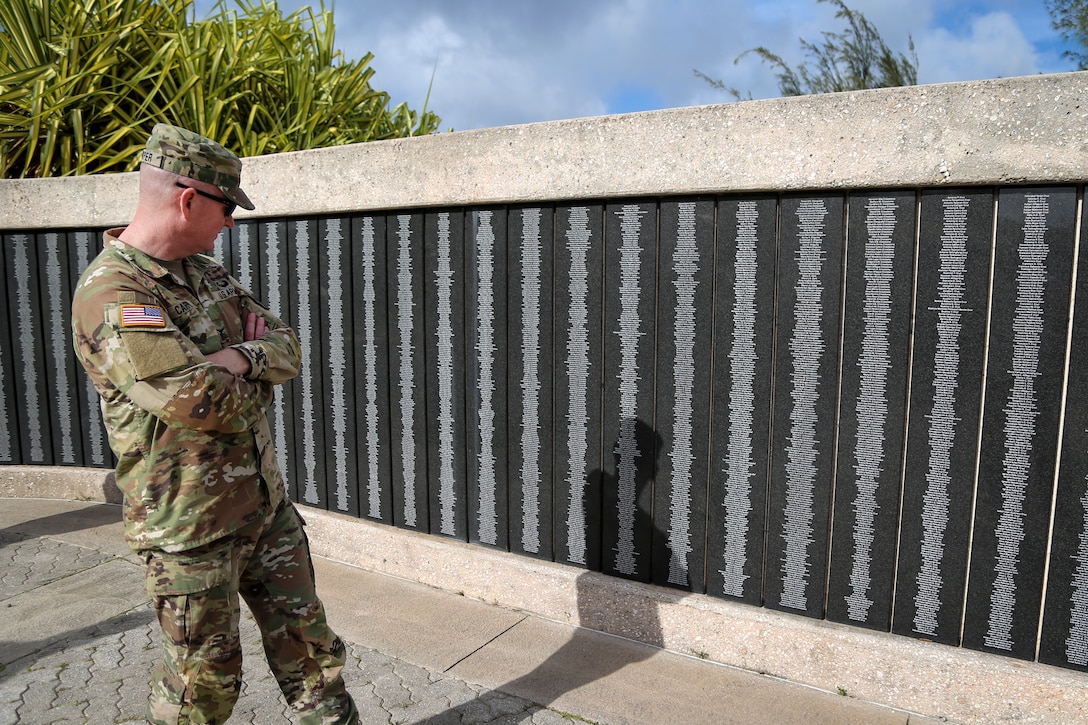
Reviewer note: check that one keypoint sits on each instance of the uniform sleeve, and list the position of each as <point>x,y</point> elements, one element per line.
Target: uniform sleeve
<point>276,357</point>
<point>140,354</point>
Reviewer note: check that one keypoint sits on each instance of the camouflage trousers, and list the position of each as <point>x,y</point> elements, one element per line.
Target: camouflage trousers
<point>196,597</point>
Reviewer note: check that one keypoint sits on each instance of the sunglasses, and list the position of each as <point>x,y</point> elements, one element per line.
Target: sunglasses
<point>231,205</point>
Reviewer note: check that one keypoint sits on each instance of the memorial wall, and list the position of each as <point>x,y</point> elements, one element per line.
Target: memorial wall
<point>843,405</point>
<point>861,404</point>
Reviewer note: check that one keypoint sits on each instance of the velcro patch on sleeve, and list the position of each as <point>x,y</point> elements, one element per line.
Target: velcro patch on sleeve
<point>142,316</point>
<point>153,353</point>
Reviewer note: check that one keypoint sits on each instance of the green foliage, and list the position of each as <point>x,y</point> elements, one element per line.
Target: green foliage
<point>855,59</point>
<point>1070,18</point>
<point>82,82</point>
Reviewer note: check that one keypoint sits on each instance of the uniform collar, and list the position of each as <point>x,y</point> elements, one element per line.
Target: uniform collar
<point>152,266</point>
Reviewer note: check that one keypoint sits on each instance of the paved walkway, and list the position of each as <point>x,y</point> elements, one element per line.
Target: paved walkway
<point>78,642</point>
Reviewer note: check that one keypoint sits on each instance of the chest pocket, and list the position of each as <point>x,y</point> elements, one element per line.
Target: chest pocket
<point>220,287</point>
<point>193,321</point>
<point>225,310</point>
<point>206,319</point>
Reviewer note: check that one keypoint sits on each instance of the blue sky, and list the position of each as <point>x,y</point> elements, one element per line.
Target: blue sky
<point>503,62</point>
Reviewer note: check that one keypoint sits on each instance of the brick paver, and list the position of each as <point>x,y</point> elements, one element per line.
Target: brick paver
<point>99,675</point>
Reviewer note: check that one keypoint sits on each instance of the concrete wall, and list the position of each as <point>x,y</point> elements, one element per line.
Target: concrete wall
<point>1011,131</point>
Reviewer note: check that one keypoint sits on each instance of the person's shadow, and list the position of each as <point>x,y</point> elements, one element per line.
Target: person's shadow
<point>590,654</point>
<point>85,517</point>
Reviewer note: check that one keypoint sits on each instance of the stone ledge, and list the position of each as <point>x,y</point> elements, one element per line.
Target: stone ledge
<point>59,482</point>
<point>1024,130</point>
<point>939,681</point>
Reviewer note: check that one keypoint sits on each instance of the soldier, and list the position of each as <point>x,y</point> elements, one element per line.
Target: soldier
<point>185,361</point>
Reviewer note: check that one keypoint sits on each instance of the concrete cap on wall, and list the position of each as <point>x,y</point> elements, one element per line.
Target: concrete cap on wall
<point>1021,130</point>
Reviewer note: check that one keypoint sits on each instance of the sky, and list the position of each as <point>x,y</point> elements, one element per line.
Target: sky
<point>487,63</point>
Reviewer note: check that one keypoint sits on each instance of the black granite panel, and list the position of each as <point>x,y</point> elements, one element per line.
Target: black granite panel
<point>446,336</point>
<point>872,407</point>
<point>63,373</point>
<point>275,279</point>
<point>10,451</point>
<point>372,306</point>
<point>29,413</point>
<point>1028,328</point>
<point>223,249</point>
<point>486,423</point>
<point>685,329</point>
<point>805,396</point>
<point>83,246</point>
<point>407,394</point>
<point>579,376</point>
<point>84,400</point>
<point>226,251</point>
<point>247,257</point>
<point>336,296</point>
<point>1065,616</point>
<point>744,288</point>
<point>953,270</point>
<point>532,441</point>
<point>631,445</point>
<point>304,240</point>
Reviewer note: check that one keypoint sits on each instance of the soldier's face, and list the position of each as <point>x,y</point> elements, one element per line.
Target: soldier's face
<point>210,217</point>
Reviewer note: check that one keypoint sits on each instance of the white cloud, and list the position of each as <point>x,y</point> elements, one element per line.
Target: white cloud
<point>498,62</point>
<point>413,54</point>
<point>993,47</point>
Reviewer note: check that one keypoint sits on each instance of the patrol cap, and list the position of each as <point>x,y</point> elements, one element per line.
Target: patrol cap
<point>185,153</point>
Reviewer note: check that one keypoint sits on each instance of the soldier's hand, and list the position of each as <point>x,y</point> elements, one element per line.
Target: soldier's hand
<point>256,327</point>
<point>232,360</point>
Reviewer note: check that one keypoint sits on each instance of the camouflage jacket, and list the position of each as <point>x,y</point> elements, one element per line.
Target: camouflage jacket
<point>195,460</point>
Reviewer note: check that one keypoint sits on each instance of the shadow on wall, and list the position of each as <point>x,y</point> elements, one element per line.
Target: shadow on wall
<point>110,492</point>
<point>591,655</point>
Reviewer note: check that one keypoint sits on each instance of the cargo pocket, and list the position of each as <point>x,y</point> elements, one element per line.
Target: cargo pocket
<point>189,572</point>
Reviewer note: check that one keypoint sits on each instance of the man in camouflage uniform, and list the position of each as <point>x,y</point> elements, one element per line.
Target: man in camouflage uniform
<point>185,361</point>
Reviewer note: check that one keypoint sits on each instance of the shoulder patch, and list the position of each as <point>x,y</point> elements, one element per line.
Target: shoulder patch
<point>142,316</point>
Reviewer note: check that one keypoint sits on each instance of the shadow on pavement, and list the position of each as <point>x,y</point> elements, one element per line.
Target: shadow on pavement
<point>583,660</point>
<point>88,517</point>
<point>137,618</point>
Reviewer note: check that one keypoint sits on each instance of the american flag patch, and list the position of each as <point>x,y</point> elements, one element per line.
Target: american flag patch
<point>142,316</point>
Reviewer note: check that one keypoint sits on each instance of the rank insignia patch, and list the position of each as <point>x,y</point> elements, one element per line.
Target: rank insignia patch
<point>142,316</point>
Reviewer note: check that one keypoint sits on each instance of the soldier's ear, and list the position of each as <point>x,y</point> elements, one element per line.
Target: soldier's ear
<point>184,201</point>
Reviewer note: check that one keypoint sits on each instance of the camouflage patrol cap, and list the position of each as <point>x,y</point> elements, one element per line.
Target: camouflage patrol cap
<point>185,153</point>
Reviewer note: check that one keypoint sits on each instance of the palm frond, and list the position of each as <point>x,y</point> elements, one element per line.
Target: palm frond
<point>83,81</point>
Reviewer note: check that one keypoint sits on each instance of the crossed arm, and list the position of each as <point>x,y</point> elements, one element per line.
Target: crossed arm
<point>230,357</point>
